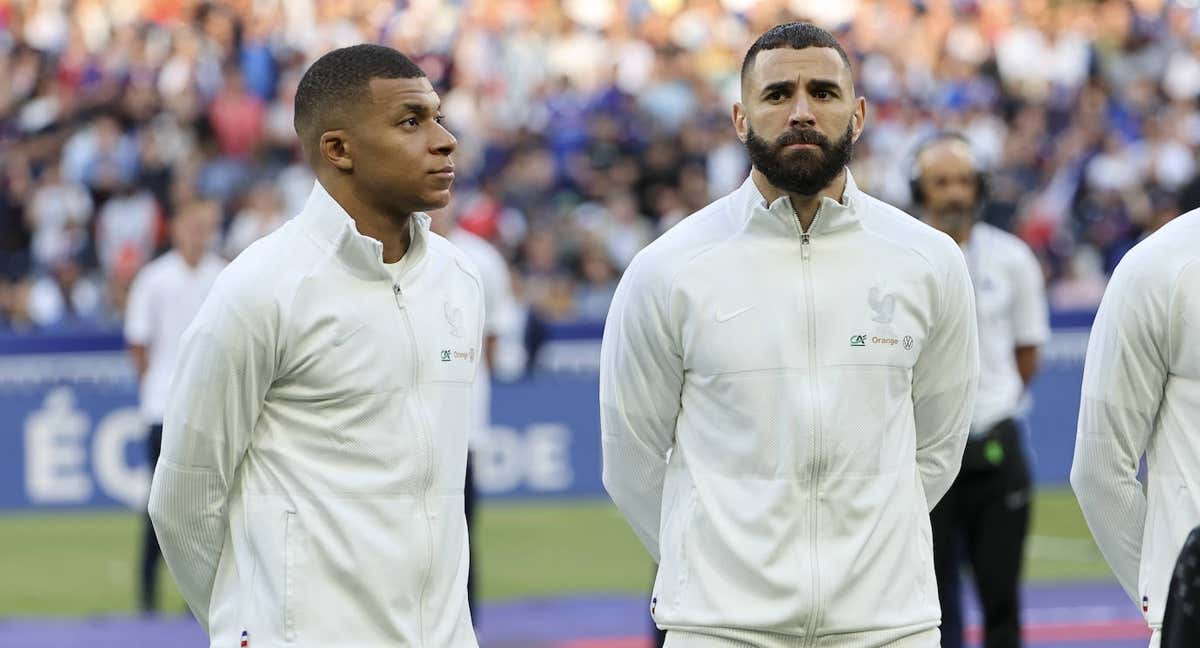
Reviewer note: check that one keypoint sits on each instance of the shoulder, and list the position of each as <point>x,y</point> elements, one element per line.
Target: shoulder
<point>262,276</point>
<point>657,264</point>
<point>1008,245</point>
<point>486,257</point>
<point>1162,261</point>
<point>910,233</point>
<point>444,254</point>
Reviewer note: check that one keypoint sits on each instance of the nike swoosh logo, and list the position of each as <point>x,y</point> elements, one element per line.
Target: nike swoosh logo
<point>725,317</point>
<point>341,339</point>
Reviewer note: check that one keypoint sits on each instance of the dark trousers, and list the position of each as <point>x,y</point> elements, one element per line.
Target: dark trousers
<point>983,520</point>
<point>469,505</point>
<point>150,551</point>
<point>1181,619</point>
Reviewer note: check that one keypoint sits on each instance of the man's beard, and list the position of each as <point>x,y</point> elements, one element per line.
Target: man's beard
<point>805,171</point>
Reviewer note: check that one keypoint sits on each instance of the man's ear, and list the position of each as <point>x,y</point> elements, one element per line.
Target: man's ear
<point>858,119</point>
<point>334,148</point>
<point>739,122</point>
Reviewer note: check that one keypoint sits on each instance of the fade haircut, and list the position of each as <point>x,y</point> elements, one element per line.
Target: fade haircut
<point>796,35</point>
<point>340,80</point>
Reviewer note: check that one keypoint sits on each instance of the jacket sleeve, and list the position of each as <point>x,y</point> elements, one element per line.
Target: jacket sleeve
<point>641,376</point>
<point>1123,378</point>
<point>944,381</point>
<point>225,366</point>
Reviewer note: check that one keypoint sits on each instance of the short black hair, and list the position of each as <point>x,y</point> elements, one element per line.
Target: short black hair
<point>796,35</point>
<point>340,79</point>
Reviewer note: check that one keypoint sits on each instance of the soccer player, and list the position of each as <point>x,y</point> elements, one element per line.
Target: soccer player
<point>787,378</point>
<point>310,487</point>
<point>163,300</point>
<point>1141,396</point>
<point>986,511</point>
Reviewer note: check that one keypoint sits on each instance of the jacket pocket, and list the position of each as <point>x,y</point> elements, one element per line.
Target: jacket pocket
<point>290,574</point>
<point>682,525</point>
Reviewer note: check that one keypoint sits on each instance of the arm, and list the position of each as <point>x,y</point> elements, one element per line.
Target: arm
<point>1031,316</point>
<point>1123,378</point>
<point>641,376</point>
<point>225,366</point>
<point>944,381</point>
<point>137,354</point>
<point>1027,363</point>
<point>139,322</point>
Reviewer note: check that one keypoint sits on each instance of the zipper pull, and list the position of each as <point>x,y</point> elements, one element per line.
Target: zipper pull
<point>396,289</point>
<point>805,246</point>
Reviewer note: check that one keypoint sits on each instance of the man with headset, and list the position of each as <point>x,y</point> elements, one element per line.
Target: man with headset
<point>986,511</point>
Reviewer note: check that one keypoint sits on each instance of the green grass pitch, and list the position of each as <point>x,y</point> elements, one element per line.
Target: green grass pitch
<point>84,563</point>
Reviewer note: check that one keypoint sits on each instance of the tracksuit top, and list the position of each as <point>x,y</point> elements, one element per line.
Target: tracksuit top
<point>780,410</point>
<point>310,490</point>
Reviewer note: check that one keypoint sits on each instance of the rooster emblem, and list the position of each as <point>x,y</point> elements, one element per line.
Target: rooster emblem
<point>884,305</point>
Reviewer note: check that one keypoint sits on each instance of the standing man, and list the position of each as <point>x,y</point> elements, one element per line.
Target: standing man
<point>497,298</point>
<point>1141,396</point>
<point>787,379</point>
<point>310,486</point>
<point>163,299</point>
<point>986,511</point>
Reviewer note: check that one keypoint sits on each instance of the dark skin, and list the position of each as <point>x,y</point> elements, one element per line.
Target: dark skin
<point>794,89</point>
<point>947,175</point>
<point>385,157</point>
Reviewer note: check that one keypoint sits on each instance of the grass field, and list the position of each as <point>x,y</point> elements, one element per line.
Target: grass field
<point>84,563</point>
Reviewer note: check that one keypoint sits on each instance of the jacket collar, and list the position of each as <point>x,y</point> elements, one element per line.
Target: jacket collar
<point>779,219</point>
<point>362,255</point>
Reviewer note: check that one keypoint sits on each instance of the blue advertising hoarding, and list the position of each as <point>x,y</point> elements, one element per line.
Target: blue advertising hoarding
<point>71,437</point>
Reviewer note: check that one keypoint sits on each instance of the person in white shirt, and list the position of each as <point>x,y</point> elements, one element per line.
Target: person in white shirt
<point>1141,397</point>
<point>163,299</point>
<point>310,489</point>
<point>786,383</point>
<point>497,299</point>
<point>984,517</point>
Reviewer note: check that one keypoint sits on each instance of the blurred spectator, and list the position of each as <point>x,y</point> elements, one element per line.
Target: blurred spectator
<point>262,214</point>
<point>585,125</point>
<point>165,297</point>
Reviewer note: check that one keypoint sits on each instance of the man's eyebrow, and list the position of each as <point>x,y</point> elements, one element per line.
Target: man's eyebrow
<point>823,84</point>
<point>782,87</point>
<point>421,109</point>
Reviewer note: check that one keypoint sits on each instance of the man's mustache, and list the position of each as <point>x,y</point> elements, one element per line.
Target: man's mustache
<point>802,136</point>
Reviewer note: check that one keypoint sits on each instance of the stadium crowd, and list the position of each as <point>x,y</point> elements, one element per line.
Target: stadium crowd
<point>585,127</point>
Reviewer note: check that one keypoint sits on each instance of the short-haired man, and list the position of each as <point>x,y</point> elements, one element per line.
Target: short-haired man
<point>310,487</point>
<point>786,385</point>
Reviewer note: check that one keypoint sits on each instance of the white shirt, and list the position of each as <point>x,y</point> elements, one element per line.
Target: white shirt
<point>1010,300</point>
<point>310,489</point>
<point>814,391</point>
<point>163,300</point>
<point>1141,395</point>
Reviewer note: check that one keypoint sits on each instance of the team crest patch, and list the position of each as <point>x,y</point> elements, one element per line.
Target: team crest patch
<point>454,318</point>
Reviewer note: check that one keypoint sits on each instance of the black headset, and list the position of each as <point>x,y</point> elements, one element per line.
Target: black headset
<point>914,178</point>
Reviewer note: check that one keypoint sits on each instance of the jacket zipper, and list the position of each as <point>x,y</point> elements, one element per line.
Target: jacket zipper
<point>427,450</point>
<point>815,408</point>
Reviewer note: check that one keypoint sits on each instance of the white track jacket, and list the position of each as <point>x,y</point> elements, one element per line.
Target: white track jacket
<point>815,391</point>
<point>310,490</point>
<point>1141,395</point>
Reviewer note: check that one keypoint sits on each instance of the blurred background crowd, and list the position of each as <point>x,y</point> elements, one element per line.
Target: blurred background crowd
<point>585,127</point>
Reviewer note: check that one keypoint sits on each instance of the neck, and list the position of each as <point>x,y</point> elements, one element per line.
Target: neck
<point>390,229</point>
<point>805,205</point>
